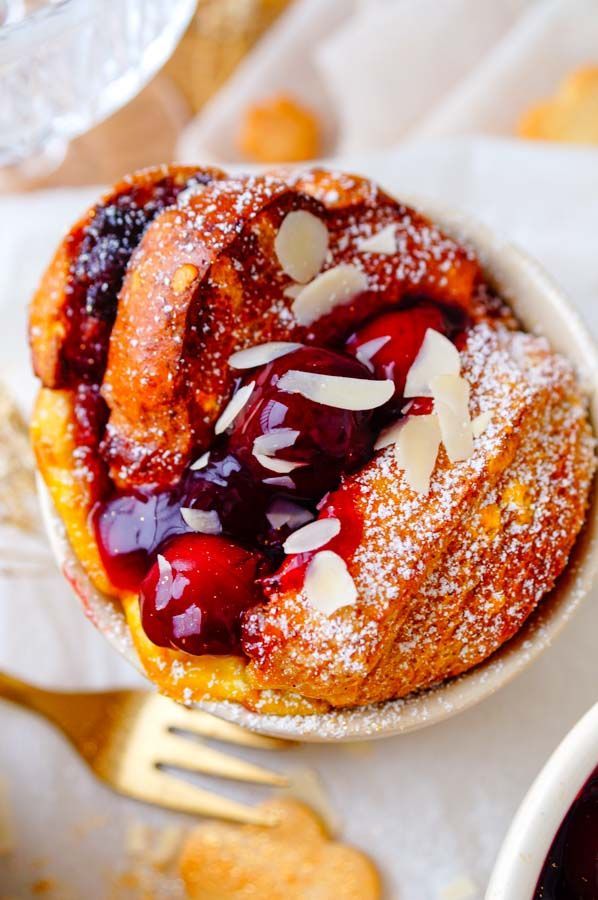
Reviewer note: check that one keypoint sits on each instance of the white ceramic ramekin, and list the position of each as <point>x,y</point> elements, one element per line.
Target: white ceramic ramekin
<point>543,309</point>
<point>544,807</point>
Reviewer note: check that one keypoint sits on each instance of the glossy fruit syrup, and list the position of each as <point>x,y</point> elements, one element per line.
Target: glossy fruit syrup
<point>193,597</point>
<point>96,274</point>
<point>571,868</point>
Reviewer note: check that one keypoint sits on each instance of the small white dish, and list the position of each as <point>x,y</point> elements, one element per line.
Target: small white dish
<point>543,809</point>
<point>543,309</point>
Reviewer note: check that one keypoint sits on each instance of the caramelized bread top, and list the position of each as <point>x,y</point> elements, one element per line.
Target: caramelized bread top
<point>175,269</point>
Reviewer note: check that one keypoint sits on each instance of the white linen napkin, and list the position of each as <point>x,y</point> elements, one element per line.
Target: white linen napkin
<point>379,71</point>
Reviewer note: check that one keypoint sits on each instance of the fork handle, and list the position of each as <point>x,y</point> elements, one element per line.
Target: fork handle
<point>23,694</point>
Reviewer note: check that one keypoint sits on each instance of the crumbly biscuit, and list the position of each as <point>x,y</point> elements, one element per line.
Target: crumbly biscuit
<point>292,860</point>
<point>571,115</point>
<point>279,130</point>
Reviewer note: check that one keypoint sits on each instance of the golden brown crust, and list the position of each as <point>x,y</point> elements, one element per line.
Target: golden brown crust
<point>53,436</point>
<point>180,310</point>
<point>205,282</point>
<point>506,555</point>
<point>52,316</point>
<point>411,543</point>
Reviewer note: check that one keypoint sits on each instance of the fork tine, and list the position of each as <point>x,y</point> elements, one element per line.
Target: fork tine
<point>172,750</point>
<point>174,793</point>
<point>198,722</point>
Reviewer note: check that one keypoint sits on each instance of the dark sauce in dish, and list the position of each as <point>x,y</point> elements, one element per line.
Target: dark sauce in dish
<point>570,871</point>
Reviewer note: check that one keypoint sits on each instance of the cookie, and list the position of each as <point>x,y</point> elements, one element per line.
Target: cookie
<point>571,115</point>
<point>292,860</point>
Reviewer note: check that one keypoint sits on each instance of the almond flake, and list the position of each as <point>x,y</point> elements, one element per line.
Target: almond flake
<point>437,356</point>
<point>235,406</point>
<point>389,435</point>
<point>301,245</point>
<point>451,404</point>
<point>201,463</point>
<point>283,512</point>
<point>367,351</point>
<point>312,536</point>
<point>416,450</point>
<point>282,466</point>
<point>277,439</point>
<point>261,354</point>
<point>293,290</point>
<point>480,423</point>
<point>201,520</point>
<point>328,585</point>
<point>384,241</point>
<point>283,482</point>
<point>336,390</point>
<point>335,287</point>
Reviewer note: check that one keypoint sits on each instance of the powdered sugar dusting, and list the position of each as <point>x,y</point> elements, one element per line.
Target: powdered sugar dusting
<point>407,535</point>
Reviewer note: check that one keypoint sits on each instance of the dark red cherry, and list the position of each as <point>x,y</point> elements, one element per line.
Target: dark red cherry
<point>330,441</point>
<point>129,529</point>
<point>194,601</point>
<point>405,330</point>
<point>227,487</point>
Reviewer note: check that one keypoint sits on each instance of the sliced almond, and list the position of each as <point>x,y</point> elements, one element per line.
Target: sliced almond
<point>437,356</point>
<point>480,423</point>
<point>336,390</point>
<point>389,435</point>
<point>384,241</point>
<point>312,536</point>
<point>261,354</point>
<point>277,439</point>
<point>293,290</point>
<point>283,512</point>
<point>283,481</point>
<point>201,520</point>
<point>336,287</point>
<point>235,406</point>
<point>416,450</point>
<point>328,585</point>
<point>451,404</point>
<point>282,466</point>
<point>301,245</point>
<point>202,462</point>
<point>367,351</point>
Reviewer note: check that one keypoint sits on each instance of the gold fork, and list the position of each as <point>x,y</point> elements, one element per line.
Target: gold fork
<point>127,738</point>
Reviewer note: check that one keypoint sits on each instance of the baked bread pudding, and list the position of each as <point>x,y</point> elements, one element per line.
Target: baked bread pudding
<point>291,428</point>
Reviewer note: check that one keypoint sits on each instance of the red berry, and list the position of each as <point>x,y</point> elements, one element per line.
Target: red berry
<point>405,330</point>
<point>195,603</point>
<point>129,529</point>
<point>330,442</point>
